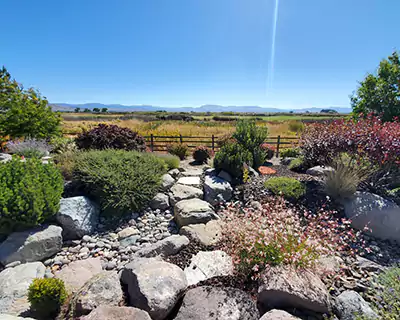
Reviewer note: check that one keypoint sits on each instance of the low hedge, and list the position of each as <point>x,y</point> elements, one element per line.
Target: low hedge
<point>121,181</point>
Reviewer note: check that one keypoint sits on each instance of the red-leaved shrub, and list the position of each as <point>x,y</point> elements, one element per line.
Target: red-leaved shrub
<point>369,138</point>
<point>202,153</point>
<point>276,235</point>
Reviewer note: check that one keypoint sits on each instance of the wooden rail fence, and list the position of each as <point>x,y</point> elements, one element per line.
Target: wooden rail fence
<point>159,143</point>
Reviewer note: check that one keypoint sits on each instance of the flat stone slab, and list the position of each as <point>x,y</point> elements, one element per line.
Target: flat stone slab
<point>207,234</point>
<point>192,173</point>
<point>189,181</point>
<point>193,211</point>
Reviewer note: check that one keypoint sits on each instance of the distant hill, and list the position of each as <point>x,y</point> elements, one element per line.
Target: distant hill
<point>204,108</point>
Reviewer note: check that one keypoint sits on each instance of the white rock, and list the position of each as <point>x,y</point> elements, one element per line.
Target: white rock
<point>217,190</point>
<point>154,285</point>
<point>14,284</point>
<point>181,192</point>
<point>208,264</point>
<point>278,315</point>
<point>160,201</point>
<point>32,245</point>
<point>319,171</point>
<point>193,211</point>
<point>378,214</point>
<point>78,216</point>
<point>167,181</point>
<point>189,181</point>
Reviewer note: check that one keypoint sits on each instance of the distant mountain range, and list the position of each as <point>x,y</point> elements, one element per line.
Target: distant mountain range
<point>204,108</point>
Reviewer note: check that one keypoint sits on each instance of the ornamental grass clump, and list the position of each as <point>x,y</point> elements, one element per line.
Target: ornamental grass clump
<point>279,235</point>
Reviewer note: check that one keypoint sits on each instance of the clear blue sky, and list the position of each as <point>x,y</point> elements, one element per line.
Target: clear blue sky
<point>194,52</point>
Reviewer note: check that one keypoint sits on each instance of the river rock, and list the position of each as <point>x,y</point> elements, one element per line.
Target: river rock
<point>117,313</point>
<point>181,192</point>
<point>167,181</point>
<point>193,211</point>
<point>160,201</point>
<point>166,247</point>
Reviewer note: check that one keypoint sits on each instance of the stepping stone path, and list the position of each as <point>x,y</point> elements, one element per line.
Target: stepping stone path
<point>190,181</point>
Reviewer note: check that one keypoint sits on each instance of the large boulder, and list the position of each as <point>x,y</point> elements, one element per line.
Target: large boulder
<point>212,303</point>
<point>160,201</point>
<point>286,287</point>
<point>381,216</point>
<point>193,211</point>
<point>167,182</point>
<point>4,316</point>
<point>351,306</point>
<point>78,216</point>
<point>154,285</point>
<point>104,289</point>
<point>208,264</point>
<point>164,248</point>
<point>32,245</point>
<point>14,284</point>
<point>207,234</point>
<point>217,190</point>
<point>278,315</point>
<point>319,171</point>
<point>181,192</point>
<point>77,273</point>
<point>117,313</point>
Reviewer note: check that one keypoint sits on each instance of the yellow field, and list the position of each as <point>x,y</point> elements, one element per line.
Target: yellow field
<point>172,128</point>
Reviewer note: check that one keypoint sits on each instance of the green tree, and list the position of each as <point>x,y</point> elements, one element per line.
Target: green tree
<point>24,112</point>
<point>104,110</point>
<point>380,93</point>
<point>77,110</point>
<point>96,110</point>
<point>86,110</point>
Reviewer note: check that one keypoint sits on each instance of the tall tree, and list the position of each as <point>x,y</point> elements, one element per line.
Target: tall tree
<point>104,110</point>
<point>77,110</point>
<point>380,93</point>
<point>96,110</point>
<point>24,112</point>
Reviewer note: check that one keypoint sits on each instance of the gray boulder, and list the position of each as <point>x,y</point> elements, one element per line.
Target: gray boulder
<point>208,264</point>
<point>160,201</point>
<point>5,157</point>
<point>174,173</point>
<point>193,211</point>
<point>167,182</point>
<point>351,306</point>
<point>278,315</point>
<point>225,175</point>
<point>181,192</point>
<point>4,316</point>
<point>14,284</point>
<point>117,313</point>
<point>319,171</point>
<point>286,287</point>
<point>154,285</point>
<point>166,247</point>
<point>381,216</point>
<point>77,273</point>
<point>217,190</point>
<point>78,216</point>
<point>207,234</point>
<point>212,303</point>
<point>104,289</point>
<point>190,181</point>
<point>32,245</point>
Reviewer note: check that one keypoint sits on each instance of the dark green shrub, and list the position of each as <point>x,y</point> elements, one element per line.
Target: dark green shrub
<point>290,153</point>
<point>46,296</point>
<point>297,165</point>
<point>171,160</point>
<point>288,187</point>
<point>231,159</point>
<point>252,137</point>
<point>30,193</point>
<point>178,149</point>
<point>110,137</point>
<point>121,181</point>
<point>225,139</point>
<point>201,154</point>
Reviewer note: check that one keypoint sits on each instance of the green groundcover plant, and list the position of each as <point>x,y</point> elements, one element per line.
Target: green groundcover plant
<point>287,187</point>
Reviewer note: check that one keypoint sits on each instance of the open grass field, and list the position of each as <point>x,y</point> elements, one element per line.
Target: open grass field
<point>200,124</point>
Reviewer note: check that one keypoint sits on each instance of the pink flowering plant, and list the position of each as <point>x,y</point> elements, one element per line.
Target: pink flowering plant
<point>277,234</point>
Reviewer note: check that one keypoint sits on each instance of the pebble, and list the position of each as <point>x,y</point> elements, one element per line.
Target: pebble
<point>110,265</point>
<point>91,245</point>
<point>86,238</point>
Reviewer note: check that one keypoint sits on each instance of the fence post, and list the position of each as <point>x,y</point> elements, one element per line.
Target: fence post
<point>277,146</point>
<point>180,138</point>
<point>213,143</point>
<point>151,142</point>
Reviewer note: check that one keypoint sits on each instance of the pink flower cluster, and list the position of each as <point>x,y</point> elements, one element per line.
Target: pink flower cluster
<point>367,137</point>
<point>277,235</point>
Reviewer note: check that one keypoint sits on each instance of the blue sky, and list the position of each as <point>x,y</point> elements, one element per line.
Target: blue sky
<point>193,52</point>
